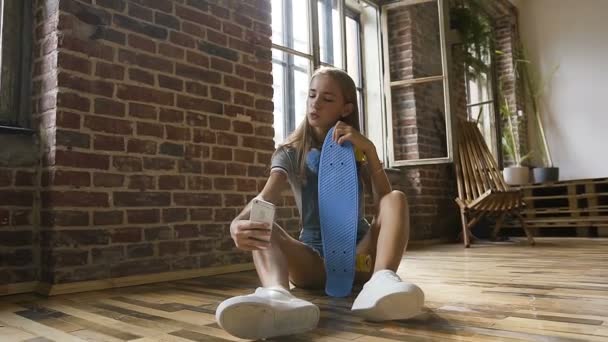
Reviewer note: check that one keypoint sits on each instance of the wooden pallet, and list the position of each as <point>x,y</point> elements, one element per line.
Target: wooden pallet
<point>580,204</point>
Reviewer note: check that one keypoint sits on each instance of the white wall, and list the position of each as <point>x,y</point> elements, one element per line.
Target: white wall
<point>571,35</point>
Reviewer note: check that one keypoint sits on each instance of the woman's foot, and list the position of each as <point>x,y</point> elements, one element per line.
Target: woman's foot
<point>269,312</point>
<point>386,297</point>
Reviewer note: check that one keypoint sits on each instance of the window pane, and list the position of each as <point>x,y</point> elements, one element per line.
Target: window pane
<point>290,82</point>
<point>415,48</point>
<point>290,24</point>
<point>419,127</point>
<point>353,56</point>
<point>484,116</point>
<point>330,39</point>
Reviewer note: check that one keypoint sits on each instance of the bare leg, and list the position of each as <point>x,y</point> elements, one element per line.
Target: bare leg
<point>389,235</point>
<point>288,258</point>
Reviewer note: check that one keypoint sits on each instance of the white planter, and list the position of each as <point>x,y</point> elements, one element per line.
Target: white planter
<point>516,175</point>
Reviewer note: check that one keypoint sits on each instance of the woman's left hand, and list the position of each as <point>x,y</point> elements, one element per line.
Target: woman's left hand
<point>343,132</point>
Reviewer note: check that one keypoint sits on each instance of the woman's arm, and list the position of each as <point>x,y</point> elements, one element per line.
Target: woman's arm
<point>380,184</point>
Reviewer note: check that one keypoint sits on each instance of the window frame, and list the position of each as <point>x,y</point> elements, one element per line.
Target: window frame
<point>443,14</point>
<point>15,117</point>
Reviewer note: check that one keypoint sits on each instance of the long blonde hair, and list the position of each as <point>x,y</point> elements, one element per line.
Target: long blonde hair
<point>302,138</point>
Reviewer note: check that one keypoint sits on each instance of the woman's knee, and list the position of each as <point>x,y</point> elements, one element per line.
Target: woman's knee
<point>394,199</point>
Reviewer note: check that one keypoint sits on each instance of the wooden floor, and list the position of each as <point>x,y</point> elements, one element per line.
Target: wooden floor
<point>554,291</point>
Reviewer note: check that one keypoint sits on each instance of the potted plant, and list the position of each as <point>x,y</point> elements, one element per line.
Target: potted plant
<point>516,173</point>
<point>533,89</point>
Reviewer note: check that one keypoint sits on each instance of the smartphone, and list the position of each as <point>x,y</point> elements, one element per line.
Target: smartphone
<point>262,211</point>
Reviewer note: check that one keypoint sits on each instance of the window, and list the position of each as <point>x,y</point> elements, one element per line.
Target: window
<point>417,86</point>
<point>306,37</point>
<point>479,90</point>
<point>15,41</point>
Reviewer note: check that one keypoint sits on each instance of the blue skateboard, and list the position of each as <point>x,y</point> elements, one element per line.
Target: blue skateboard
<point>338,214</point>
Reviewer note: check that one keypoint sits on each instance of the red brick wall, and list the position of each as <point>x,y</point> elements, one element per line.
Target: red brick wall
<point>156,122</point>
<point>418,121</point>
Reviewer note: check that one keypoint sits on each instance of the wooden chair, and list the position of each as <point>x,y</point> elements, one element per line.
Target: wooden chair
<point>482,190</point>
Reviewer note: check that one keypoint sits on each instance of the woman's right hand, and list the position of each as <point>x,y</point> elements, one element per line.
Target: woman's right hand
<point>249,235</point>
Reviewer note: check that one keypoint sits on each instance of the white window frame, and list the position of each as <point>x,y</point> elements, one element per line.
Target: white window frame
<point>445,57</point>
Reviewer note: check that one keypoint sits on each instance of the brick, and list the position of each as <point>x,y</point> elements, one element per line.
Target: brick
<point>197,88</point>
<point>171,182</point>
<point>201,214</point>
<point>202,5</point>
<point>74,199</point>
<point>142,111</point>
<point>221,154</point>
<point>236,170</point>
<point>189,166</point>
<point>172,248</point>
<point>170,215</point>
<point>189,102</point>
<point>127,164</point>
<point>110,35</point>
<point>158,233</point>
<point>84,85</point>
<point>171,149</point>
<point>165,20</point>
<point>89,48</point>
<point>81,160</point>
<point>177,133</point>
<point>63,177</point>
<point>171,115</point>
<point>107,70</point>
<point>117,5</point>
<point>148,129</point>
<point>161,5</point>
<point>232,29</point>
<point>199,183</point>
<point>141,199</point>
<point>196,119</point>
<point>105,218</point>
<point>107,255</point>
<point>182,39</point>
<point>108,180</point>
<point>142,94</point>
<point>170,83</point>
<point>205,200</point>
<point>108,143</point>
<point>142,43</point>
<point>109,107</point>
<point>219,123</point>
<point>73,101</point>
<point>71,139</point>
<point>197,17</point>
<point>141,146</point>
<point>142,183</point>
<point>218,51</point>
<point>159,164</point>
<point>70,62</point>
<point>68,120</point>
<point>220,94</point>
<point>193,29</point>
<point>171,51</point>
<point>231,200</point>
<point>136,26</point>
<point>242,127</point>
<point>234,82</point>
<point>141,250</point>
<point>214,168</point>
<point>126,235</point>
<point>143,216</point>
<point>139,75</point>
<point>244,156</point>
<point>108,125</point>
<point>64,218</point>
<point>66,258</point>
<point>217,38</point>
<point>197,59</point>
<point>224,184</point>
<point>245,72</point>
<point>145,61</point>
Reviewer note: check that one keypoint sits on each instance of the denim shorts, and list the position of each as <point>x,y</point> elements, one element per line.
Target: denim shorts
<point>312,236</point>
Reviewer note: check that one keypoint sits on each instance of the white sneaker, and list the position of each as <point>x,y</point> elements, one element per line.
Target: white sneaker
<point>386,297</point>
<point>268,312</point>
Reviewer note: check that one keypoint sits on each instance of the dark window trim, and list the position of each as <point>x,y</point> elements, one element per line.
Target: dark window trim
<point>17,116</point>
